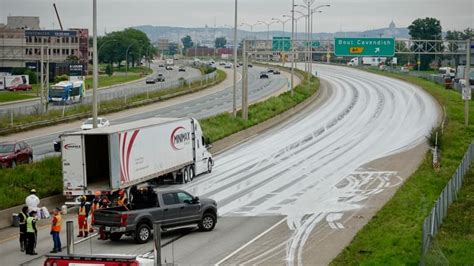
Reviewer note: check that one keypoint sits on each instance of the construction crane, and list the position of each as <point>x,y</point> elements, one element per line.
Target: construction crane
<point>57,15</point>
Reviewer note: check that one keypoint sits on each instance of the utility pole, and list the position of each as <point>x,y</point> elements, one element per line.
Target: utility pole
<point>467,94</point>
<point>234,100</point>
<point>292,46</point>
<point>245,106</point>
<point>95,63</point>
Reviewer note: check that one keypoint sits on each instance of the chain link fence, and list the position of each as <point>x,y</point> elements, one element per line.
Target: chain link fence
<point>440,209</point>
<point>107,95</point>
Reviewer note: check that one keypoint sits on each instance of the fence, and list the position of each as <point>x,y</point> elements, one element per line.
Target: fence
<point>106,95</point>
<point>449,194</point>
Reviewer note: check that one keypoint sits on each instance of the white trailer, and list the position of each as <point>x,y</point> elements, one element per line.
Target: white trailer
<point>12,81</point>
<point>119,156</point>
<point>367,61</point>
<point>169,62</point>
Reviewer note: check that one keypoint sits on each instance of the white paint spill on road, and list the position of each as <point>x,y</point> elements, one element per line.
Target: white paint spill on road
<point>310,169</point>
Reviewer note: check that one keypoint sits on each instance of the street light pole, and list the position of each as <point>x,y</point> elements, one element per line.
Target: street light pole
<point>95,62</point>
<point>292,46</point>
<point>234,100</point>
<point>126,58</point>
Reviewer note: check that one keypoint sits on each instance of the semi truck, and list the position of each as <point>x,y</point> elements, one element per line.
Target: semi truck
<point>67,92</point>
<point>120,156</point>
<point>10,82</point>
<point>367,61</point>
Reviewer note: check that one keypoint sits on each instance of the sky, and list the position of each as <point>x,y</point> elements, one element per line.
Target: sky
<point>343,15</point>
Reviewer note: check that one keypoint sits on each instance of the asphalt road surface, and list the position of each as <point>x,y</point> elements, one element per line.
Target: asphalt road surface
<point>278,189</point>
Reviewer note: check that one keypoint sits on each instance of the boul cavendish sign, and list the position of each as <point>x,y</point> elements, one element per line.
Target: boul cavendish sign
<point>364,46</point>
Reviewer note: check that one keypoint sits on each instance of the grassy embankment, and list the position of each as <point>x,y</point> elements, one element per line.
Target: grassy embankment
<point>393,236</point>
<point>46,177</point>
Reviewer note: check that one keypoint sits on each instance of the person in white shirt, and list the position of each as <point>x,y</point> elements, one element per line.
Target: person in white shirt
<point>32,201</point>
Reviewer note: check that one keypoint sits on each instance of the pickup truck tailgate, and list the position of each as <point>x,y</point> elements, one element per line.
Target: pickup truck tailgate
<point>107,217</point>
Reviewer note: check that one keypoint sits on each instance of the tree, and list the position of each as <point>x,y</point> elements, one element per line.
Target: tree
<point>187,43</point>
<point>109,70</point>
<point>220,42</point>
<point>425,29</point>
<point>72,59</point>
<point>173,48</point>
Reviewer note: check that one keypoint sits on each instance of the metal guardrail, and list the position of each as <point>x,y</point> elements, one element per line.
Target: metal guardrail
<point>121,94</point>
<point>449,194</point>
<point>106,95</point>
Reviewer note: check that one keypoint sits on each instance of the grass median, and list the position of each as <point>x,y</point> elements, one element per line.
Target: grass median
<point>393,235</point>
<point>74,112</point>
<point>46,175</point>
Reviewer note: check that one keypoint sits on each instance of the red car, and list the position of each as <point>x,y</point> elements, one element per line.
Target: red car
<point>21,87</point>
<point>14,153</point>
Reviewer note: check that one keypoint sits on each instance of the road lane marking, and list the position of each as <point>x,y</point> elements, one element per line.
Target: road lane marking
<point>250,242</point>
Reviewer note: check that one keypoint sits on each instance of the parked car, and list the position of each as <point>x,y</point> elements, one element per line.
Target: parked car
<point>172,208</point>
<point>21,87</point>
<point>101,122</point>
<point>276,72</point>
<point>228,65</point>
<point>181,69</point>
<point>14,153</point>
<point>150,80</point>
<point>263,75</point>
<point>221,63</point>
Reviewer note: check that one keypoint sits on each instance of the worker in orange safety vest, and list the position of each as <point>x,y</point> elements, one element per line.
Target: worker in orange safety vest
<point>96,204</point>
<point>83,213</point>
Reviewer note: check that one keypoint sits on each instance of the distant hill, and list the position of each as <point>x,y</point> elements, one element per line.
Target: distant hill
<point>206,35</point>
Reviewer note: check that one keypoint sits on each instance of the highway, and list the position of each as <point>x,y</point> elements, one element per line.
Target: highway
<point>288,194</point>
<point>106,93</point>
<point>199,107</point>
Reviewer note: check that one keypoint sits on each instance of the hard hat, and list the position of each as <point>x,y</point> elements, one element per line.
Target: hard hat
<point>97,193</point>
<point>82,197</point>
<point>33,190</point>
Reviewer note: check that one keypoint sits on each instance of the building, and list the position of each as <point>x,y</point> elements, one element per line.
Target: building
<point>21,43</point>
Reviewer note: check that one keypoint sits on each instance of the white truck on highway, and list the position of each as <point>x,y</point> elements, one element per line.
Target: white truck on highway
<point>367,61</point>
<point>117,157</point>
<point>169,62</point>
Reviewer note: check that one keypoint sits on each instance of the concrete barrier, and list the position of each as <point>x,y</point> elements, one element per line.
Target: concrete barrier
<point>49,202</point>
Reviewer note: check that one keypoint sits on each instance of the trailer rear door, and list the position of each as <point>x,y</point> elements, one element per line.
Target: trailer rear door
<point>74,168</point>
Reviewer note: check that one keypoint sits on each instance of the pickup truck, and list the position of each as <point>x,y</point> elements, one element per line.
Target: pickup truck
<point>171,208</point>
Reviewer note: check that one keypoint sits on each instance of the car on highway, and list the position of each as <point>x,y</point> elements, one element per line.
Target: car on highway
<point>21,87</point>
<point>181,69</point>
<point>160,77</point>
<point>101,122</point>
<point>221,63</point>
<point>276,72</point>
<point>161,65</point>
<point>228,65</point>
<point>171,208</point>
<point>263,75</point>
<point>169,67</point>
<point>150,80</point>
<point>270,70</point>
<point>14,153</point>
<point>249,65</point>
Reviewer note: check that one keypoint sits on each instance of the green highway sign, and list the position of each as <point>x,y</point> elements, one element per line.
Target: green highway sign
<point>314,44</point>
<point>364,46</point>
<point>281,44</point>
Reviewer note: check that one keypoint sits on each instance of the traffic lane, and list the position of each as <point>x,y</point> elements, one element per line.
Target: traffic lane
<point>203,107</point>
<point>220,101</point>
<point>186,246</point>
<point>310,171</point>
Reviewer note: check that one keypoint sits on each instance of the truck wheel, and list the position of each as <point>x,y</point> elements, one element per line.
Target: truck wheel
<point>142,234</point>
<point>185,175</point>
<point>115,236</point>
<point>209,166</point>
<point>208,222</point>
<point>191,174</point>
